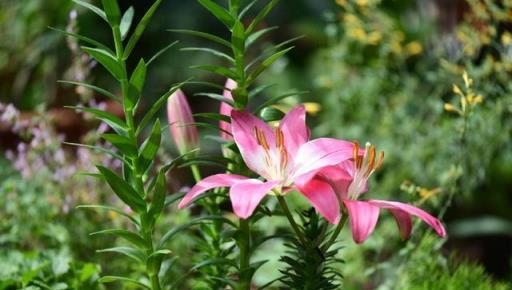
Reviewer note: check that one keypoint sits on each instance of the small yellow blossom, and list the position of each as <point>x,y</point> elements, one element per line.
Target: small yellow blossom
<point>456,90</point>
<point>374,37</point>
<point>506,38</point>
<point>450,108</point>
<point>414,48</point>
<point>312,108</point>
<point>362,2</point>
<point>357,33</point>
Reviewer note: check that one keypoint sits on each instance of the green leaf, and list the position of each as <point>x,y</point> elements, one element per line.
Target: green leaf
<point>138,77</point>
<point>129,236</point>
<point>246,9</point>
<point>113,121</point>
<point>213,116</point>
<point>158,202</point>
<point>126,22</point>
<point>263,13</point>
<point>276,99</point>
<point>92,87</point>
<point>218,70</point>
<point>156,107</point>
<point>92,8</point>
<point>84,39</point>
<point>136,84</point>
<point>150,147</point>
<point>133,253</point>
<point>257,35</point>
<point>140,29</point>
<point>266,63</point>
<point>112,11</point>
<point>109,208</point>
<point>160,52</point>
<point>211,51</point>
<point>219,12</point>
<point>217,97</point>
<point>123,143</point>
<point>204,35</point>
<point>99,149</point>
<point>107,60</point>
<point>238,38</point>
<point>174,231</point>
<point>254,92</point>
<point>110,279</point>
<point>270,114</point>
<point>123,190</point>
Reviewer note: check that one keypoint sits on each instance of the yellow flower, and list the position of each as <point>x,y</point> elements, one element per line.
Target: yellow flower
<point>312,108</point>
<point>414,48</point>
<point>506,38</point>
<point>341,2</point>
<point>357,33</point>
<point>374,37</point>
<point>457,90</point>
<point>450,108</point>
<point>362,2</point>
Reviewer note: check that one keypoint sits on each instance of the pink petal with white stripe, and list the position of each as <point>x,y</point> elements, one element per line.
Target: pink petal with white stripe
<point>247,195</point>
<point>410,210</point>
<point>323,199</point>
<point>210,182</point>
<point>363,218</point>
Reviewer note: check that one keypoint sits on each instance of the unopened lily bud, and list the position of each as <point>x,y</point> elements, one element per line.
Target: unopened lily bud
<point>457,90</point>
<point>225,109</point>
<point>450,108</point>
<point>180,118</point>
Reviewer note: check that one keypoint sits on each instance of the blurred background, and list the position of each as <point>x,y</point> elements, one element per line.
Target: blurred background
<point>379,71</point>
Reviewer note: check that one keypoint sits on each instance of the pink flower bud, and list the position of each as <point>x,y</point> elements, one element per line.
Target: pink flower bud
<point>225,109</point>
<point>180,117</point>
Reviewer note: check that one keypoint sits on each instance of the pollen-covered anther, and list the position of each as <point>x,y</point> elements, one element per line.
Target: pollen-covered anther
<point>260,137</point>
<point>282,148</point>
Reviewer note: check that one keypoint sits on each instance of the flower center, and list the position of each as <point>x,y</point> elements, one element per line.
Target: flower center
<point>275,158</point>
<point>364,167</point>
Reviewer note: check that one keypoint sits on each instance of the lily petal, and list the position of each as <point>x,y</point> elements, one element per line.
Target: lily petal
<point>295,131</point>
<point>225,109</point>
<point>338,177</point>
<point>323,198</point>
<point>363,218</point>
<point>210,182</point>
<point>320,153</point>
<point>407,209</point>
<point>247,195</point>
<point>244,126</point>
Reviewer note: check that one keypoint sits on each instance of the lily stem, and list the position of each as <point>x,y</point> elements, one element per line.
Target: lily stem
<point>245,256</point>
<point>286,209</point>
<point>336,232</point>
<point>195,172</point>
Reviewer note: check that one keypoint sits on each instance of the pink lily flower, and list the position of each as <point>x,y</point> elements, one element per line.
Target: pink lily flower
<point>225,109</point>
<point>180,117</point>
<point>283,156</point>
<point>349,179</point>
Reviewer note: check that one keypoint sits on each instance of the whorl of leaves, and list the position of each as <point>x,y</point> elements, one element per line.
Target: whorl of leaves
<point>311,267</point>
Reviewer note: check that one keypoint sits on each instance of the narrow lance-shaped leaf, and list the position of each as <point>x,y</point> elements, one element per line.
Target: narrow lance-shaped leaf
<point>92,8</point>
<point>219,12</point>
<point>123,190</point>
<point>140,29</point>
<point>92,87</point>
<point>107,60</point>
<point>126,22</point>
<point>150,147</point>
<point>83,38</point>
<point>158,202</point>
<point>238,38</point>
<point>110,279</point>
<point>266,63</point>
<point>129,236</point>
<point>204,35</point>
<point>220,70</point>
<point>113,121</point>
<point>123,143</point>
<point>112,11</point>
<point>133,253</point>
<point>136,84</point>
<point>160,52</point>
<point>263,13</point>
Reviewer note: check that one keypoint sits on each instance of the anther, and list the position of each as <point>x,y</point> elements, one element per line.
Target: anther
<point>260,137</point>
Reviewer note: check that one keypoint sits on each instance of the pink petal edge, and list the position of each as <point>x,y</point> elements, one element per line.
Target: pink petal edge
<point>323,198</point>
<point>363,218</point>
<point>247,195</point>
<point>210,182</point>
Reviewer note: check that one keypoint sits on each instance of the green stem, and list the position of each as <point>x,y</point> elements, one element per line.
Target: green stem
<point>195,172</point>
<point>146,230</point>
<point>336,232</point>
<point>296,229</point>
<point>245,256</point>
